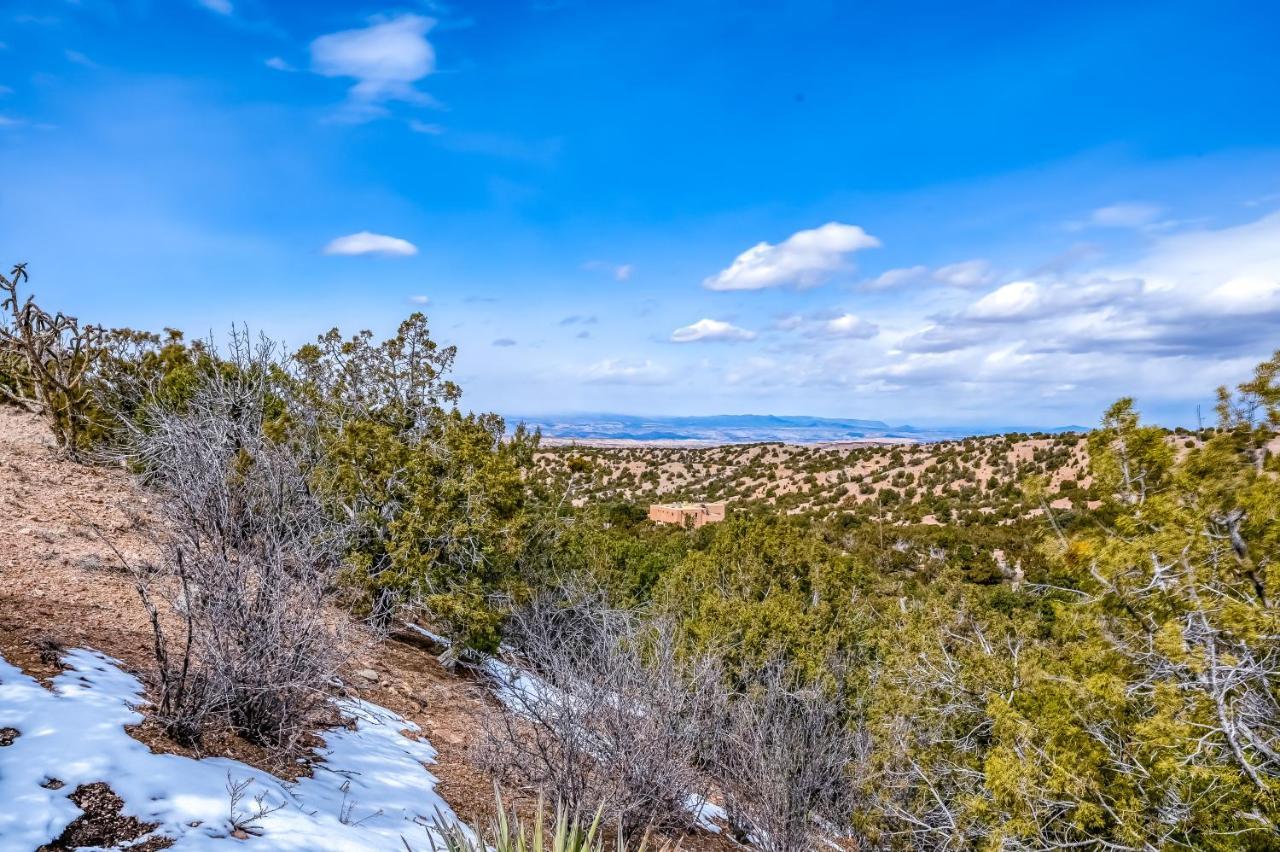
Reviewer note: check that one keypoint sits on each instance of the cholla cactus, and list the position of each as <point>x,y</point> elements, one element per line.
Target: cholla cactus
<point>45,360</point>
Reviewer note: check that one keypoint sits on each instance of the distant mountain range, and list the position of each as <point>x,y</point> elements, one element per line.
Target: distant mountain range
<point>745,429</point>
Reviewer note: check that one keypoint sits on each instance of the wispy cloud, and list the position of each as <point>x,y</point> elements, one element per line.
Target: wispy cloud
<point>366,242</point>
<point>222,7</point>
<point>504,342</point>
<point>428,127</point>
<point>619,372</point>
<point>1132,215</point>
<point>805,259</point>
<point>77,58</point>
<point>279,63</point>
<point>618,271</point>
<point>966,273</point>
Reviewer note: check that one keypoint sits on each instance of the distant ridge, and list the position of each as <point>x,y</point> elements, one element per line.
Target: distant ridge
<point>747,428</point>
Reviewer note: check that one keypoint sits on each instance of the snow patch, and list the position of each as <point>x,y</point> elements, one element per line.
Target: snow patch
<point>372,790</point>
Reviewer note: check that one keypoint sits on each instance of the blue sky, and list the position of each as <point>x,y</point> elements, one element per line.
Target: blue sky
<point>932,212</point>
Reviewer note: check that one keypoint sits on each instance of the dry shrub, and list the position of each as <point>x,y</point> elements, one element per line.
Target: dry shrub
<point>248,560</point>
<point>783,762</point>
<point>614,717</point>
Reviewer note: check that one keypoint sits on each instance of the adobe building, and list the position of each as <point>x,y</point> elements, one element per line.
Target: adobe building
<point>687,514</point>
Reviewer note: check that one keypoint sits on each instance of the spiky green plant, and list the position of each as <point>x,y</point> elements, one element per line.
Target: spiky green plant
<point>509,833</point>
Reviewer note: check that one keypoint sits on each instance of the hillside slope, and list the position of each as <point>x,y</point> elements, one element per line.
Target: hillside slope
<point>63,588</point>
<point>938,482</point>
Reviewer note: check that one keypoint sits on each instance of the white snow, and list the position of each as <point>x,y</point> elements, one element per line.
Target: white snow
<point>708,814</point>
<point>370,789</point>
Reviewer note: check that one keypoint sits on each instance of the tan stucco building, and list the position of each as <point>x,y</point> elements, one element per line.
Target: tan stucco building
<point>687,514</point>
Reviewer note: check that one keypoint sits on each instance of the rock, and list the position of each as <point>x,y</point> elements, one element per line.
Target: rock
<point>367,674</point>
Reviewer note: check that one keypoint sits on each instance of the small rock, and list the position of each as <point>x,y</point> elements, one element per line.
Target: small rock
<point>368,674</point>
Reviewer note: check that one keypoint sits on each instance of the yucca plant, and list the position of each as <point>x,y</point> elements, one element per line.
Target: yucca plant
<point>509,833</point>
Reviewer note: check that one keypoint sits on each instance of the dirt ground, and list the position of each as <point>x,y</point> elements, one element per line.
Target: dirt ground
<point>61,586</point>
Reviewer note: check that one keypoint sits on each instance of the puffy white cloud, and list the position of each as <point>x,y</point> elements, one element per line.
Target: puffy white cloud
<point>366,242</point>
<point>805,259</point>
<point>711,331</point>
<point>385,58</point>
<point>613,371</point>
<point>851,325</point>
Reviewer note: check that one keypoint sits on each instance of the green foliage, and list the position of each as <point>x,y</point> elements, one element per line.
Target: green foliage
<point>443,516</point>
<point>509,833</point>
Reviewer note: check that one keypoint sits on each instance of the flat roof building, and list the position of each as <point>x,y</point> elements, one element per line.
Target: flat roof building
<point>687,514</point>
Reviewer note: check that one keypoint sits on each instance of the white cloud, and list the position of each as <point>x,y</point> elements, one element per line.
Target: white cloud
<point>937,337</point>
<point>369,243</point>
<point>1132,214</point>
<point>1018,300</point>
<point>967,273</point>
<point>385,59</point>
<point>279,63</point>
<point>711,331</point>
<point>618,372</point>
<point>851,325</point>
<point>1245,294</point>
<point>419,300</point>
<point>805,259</point>
<point>897,278</point>
<point>222,7</point>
